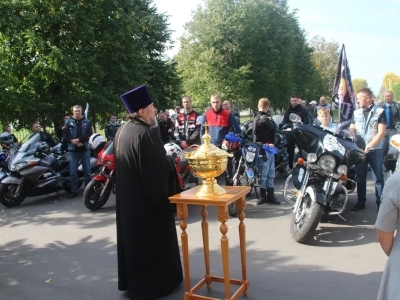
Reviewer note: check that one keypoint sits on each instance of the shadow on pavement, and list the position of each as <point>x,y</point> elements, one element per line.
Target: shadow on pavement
<point>88,270</point>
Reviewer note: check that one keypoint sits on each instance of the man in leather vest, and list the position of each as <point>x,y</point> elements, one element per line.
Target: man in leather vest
<point>77,132</point>
<point>264,132</point>
<point>369,121</point>
<point>186,125</point>
<point>392,112</point>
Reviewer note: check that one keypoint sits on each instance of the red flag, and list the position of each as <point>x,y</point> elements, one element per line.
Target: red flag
<point>343,93</point>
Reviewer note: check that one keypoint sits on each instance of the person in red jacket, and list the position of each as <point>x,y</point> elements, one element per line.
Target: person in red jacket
<point>220,121</point>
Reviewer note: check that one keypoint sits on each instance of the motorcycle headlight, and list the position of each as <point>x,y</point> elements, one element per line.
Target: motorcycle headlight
<point>250,156</point>
<point>342,169</point>
<point>327,162</point>
<point>311,157</point>
<point>18,166</point>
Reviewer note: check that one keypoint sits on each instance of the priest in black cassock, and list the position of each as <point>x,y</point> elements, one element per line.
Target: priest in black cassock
<point>149,264</point>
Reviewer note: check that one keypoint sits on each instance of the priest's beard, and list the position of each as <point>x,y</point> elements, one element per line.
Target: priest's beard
<point>153,123</point>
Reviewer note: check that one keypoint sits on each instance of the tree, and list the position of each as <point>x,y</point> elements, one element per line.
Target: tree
<point>396,91</point>
<point>389,79</point>
<point>55,54</point>
<point>244,50</point>
<point>359,84</point>
<point>325,58</point>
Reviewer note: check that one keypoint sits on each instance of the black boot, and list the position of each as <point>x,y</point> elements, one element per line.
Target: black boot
<point>263,198</point>
<point>271,197</point>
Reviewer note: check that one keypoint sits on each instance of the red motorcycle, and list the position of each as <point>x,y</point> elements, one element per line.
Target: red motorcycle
<point>98,191</point>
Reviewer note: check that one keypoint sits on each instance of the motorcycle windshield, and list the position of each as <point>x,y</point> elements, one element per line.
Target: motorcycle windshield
<point>27,148</point>
<point>314,139</point>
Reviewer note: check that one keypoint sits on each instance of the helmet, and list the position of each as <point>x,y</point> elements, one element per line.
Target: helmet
<point>43,147</point>
<point>96,142</point>
<point>231,143</point>
<point>6,138</point>
<point>174,150</point>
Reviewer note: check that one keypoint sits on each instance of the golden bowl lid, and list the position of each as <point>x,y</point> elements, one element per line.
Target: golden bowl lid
<point>207,150</point>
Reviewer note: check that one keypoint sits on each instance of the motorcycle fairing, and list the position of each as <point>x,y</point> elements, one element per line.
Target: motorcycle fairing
<point>12,180</point>
<point>298,176</point>
<point>249,173</point>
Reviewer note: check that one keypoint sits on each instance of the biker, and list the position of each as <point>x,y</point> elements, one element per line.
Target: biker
<point>6,140</point>
<point>186,127</point>
<point>392,112</point>
<point>264,132</point>
<point>219,122</point>
<point>44,135</point>
<point>302,113</point>
<point>166,127</point>
<point>111,128</point>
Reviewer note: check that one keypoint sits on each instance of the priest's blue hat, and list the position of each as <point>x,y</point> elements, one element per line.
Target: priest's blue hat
<point>136,99</point>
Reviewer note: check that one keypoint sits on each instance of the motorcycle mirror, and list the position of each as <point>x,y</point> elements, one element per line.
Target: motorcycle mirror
<point>294,118</point>
<point>358,139</point>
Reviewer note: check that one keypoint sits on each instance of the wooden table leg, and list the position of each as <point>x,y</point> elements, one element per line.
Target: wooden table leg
<point>182,212</point>
<point>240,205</point>
<point>206,247</point>
<point>222,212</point>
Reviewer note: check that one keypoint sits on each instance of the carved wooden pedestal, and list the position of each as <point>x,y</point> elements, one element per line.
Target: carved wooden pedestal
<point>234,194</point>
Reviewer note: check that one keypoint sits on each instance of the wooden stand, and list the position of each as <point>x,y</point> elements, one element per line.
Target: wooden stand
<point>234,194</point>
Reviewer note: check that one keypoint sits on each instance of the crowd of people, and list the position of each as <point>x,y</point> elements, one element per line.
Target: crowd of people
<point>143,270</point>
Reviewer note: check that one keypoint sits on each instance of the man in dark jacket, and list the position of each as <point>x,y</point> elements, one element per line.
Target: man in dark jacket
<point>299,110</point>
<point>392,112</point>
<point>111,128</point>
<point>77,132</point>
<point>166,127</point>
<point>149,263</point>
<point>44,135</point>
<point>264,132</point>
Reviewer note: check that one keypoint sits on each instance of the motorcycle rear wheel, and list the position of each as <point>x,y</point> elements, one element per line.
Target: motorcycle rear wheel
<point>9,196</point>
<point>306,220</point>
<point>91,195</point>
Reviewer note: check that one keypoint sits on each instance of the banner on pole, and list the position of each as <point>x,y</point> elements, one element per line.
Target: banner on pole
<point>343,94</point>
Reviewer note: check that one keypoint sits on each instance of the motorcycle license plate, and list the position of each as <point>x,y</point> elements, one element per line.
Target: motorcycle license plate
<point>250,156</point>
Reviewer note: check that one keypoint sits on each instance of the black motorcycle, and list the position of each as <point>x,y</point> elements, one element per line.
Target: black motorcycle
<point>317,184</point>
<point>35,171</point>
<point>246,173</point>
<point>392,158</point>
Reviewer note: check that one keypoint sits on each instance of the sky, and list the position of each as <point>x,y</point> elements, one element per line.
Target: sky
<point>369,29</point>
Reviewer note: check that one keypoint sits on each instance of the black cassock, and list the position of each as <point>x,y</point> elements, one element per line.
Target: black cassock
<point>149,264</point>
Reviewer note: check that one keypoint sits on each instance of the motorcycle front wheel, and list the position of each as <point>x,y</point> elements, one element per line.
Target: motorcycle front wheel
<point>305,220</point>
<point>92,195</point>
<point>12,195</point>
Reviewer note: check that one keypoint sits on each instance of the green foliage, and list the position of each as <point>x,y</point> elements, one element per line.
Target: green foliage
<point>245,50</point>
<point>396,91</point>
<point>55,54</point>
<point>325,58</point>
<point>359,84</point>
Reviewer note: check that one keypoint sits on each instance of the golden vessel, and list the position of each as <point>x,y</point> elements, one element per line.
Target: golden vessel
<point>208,162</point>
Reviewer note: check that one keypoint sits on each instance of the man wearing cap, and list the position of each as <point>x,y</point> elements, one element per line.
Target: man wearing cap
<point>313,109</point>
<point>149,264</point>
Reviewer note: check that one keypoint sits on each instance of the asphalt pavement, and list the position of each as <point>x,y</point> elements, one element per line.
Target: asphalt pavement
<point>53,248</point>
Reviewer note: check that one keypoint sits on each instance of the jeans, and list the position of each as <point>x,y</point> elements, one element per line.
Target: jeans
<point>375,159</point>
<point>74,158</point>
<point>266,169</point>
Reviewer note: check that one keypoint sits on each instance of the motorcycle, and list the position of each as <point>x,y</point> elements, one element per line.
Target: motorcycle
<point>186,177</point>
<point>98,191</point>
<point>246,173</point>
<point>4,157</point>
<point>319,176</point>
<point>35,171</point>
<point>392,158</point>
<point>281,157</point>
